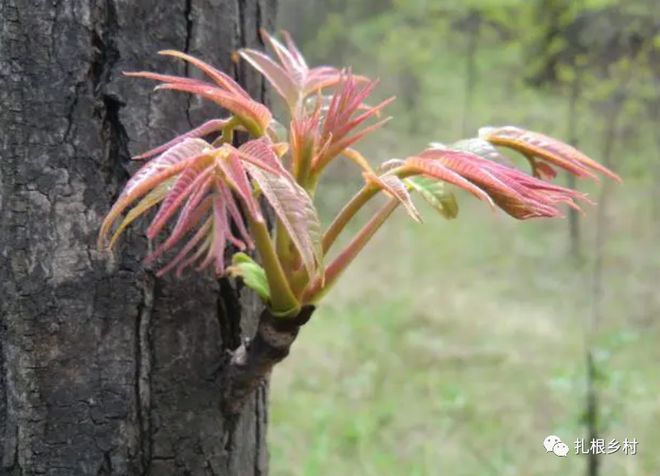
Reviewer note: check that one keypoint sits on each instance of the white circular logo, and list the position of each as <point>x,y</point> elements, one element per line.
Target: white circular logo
<point>553,444</point>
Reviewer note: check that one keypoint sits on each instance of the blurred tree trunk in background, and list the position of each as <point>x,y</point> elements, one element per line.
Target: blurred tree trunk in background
<point>572,137</point>
<point>612,112</point>
<point>655,118</point>
<point>103,368</point>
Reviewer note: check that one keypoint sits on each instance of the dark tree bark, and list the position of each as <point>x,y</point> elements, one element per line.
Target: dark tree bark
<point>104,369</point>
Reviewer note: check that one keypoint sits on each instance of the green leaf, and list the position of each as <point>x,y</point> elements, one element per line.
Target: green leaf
<point>252,274</point>
<point>435,194</point>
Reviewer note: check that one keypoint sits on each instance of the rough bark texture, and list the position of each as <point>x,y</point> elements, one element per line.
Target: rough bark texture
<point>105,370</point>
<point>253,361</point>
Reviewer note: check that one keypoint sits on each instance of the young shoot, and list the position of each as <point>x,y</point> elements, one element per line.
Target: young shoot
<point>207,193</point>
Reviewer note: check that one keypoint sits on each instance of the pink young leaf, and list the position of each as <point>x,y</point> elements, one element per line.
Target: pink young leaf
<point>291,204</point>
<point>396,188</point>
<point>150,175</point>
<point>214,125</point>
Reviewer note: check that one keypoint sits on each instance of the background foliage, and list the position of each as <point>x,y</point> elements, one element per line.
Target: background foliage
<point>456,347</point>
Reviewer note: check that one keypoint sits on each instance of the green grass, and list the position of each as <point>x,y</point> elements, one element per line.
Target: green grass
<point>455,347</point>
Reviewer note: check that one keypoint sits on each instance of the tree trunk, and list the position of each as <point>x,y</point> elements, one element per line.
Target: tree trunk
<point>592,404</point>
<point>574,235</point>
<point>104,369</point>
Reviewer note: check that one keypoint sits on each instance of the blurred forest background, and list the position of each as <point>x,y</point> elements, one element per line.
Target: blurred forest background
<point>455,347</point>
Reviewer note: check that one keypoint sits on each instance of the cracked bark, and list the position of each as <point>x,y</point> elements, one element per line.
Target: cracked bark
<point>252,362</point>
<point>104,369</point>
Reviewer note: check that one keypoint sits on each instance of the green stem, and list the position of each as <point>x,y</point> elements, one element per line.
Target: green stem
<point>353,206</point>
<point>302,164</point>
<point>282,245</point>
<point>288,257</point>
<point>320,286</point>
<point>253,128</point>
<point>227,135</point>
<point>282,301</point>
<point>346,215</point>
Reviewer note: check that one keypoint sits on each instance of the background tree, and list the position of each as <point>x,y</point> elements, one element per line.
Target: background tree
<point>105,369</point>
<point>607,51</point>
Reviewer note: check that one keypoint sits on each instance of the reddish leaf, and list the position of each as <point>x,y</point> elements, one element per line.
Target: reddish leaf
<point>253,115</point>
<point>275,74</point>
<point>518,194</point>
<point>189,218</point>
<point>223,80</point>
<point>290,76</point>
<point>290,60</point>
<point>150,200</point>
<point>431,168</point>
<point>341,124</point>
<point>187,183</point>
<point>395,187</point>
<point>294,51</point>
<point>226,92</point>
<point>291,204</point>
<point>201,234</point>
<point>150,175</point>
<point>214,125</point>
<point>546,148</point>
<point>237,178</point>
